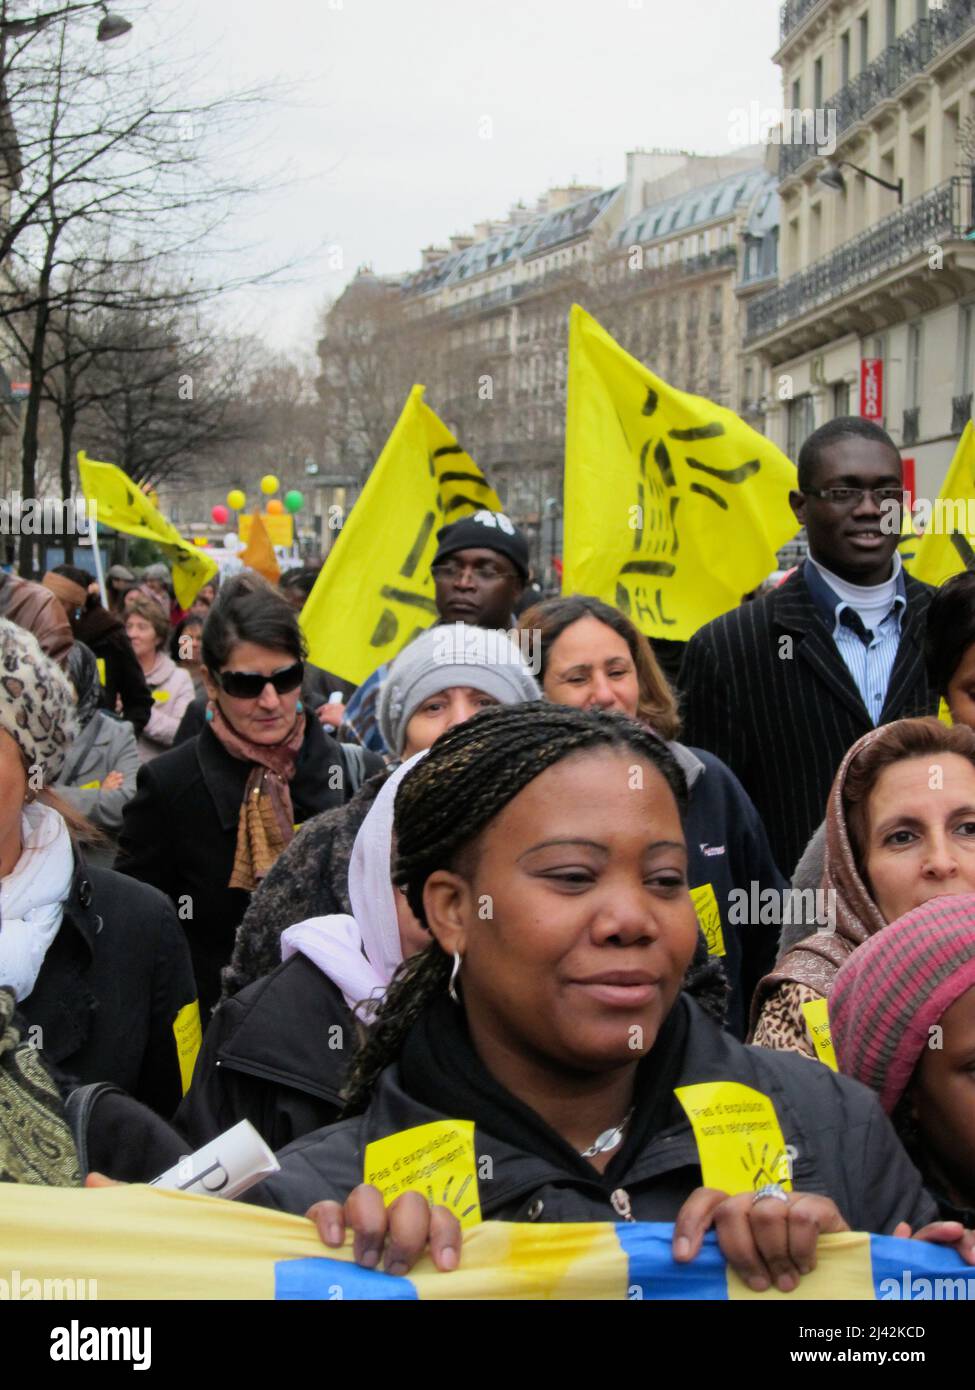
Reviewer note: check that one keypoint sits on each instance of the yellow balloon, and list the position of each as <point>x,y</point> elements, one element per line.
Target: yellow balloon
<point>236,500</point>
<point>269,484</point>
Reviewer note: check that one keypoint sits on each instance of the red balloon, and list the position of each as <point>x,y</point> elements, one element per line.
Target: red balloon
<point>220,514</point>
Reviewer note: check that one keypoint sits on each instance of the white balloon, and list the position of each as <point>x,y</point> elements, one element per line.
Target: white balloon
<point>231,541</point>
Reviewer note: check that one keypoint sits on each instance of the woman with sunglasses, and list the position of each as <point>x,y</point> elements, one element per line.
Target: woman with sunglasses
<point>211,816</point>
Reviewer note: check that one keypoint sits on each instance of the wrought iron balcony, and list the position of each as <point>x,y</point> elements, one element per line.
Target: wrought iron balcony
<point>945,212</point>
<point>912,426</point>
<point>961,412</point>
<point>791,15</point>
<point>906,57</point>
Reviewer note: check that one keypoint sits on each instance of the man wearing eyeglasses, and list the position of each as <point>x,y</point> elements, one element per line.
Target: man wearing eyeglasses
<point>479,572</point>
<point>781,687</point>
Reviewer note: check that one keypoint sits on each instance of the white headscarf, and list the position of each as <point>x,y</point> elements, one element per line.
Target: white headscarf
<point>360,953</point>
<point>32,897</point>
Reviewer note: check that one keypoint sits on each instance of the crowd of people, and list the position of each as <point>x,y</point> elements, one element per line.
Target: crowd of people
<point>519,876</point>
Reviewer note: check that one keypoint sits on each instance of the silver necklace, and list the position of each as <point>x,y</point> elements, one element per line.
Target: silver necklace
<point>609,1139</point>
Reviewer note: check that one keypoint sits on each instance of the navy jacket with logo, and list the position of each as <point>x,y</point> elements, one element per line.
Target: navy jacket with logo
<point>728,848</point>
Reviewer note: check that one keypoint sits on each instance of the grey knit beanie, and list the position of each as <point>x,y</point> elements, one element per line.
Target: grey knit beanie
<point>448,655</point>
<point>37,703</point>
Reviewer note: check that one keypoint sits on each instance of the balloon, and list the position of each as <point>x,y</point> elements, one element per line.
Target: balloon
<point>294,501</point>
<point>269,484</point>
<point>236,499</point>
<point>231,541</point>
<point>275,507</point>
<point>220,514</point>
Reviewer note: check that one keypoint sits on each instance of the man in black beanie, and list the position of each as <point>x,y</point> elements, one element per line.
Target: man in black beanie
<point>479,571</point>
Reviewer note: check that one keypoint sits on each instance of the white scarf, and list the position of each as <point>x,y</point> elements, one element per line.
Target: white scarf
<point>32,897</point>
<point>360,953</point>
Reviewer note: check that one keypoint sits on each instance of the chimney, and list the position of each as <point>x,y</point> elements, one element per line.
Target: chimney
<point>461,243</point>
<point>430,255</point>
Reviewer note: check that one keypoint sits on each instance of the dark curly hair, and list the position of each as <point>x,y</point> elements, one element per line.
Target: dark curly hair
<point>469,776</point>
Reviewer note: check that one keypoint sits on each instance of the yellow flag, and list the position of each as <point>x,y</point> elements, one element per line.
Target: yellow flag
<point>674,507</point>
<point>376,591</point>
<point>946,548</point>
<point>280,529</point>
<point>259,554</point>
<point>115,500</point>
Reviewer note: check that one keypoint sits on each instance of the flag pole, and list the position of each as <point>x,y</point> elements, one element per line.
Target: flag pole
<point>97,557</point>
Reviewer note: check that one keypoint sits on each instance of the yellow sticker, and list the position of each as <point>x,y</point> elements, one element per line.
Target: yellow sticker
<point>817,1023</point>
<point>709,918</point>
<point>437,1160</point>
<point>90,786</point>
<point>160,696</point>
<point>188,1033</point>
<point>739,1139</point>
<point>100,663</point>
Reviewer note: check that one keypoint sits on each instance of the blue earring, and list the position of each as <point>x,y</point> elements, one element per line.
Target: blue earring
<point>299,707</point>
<point>209,716</point>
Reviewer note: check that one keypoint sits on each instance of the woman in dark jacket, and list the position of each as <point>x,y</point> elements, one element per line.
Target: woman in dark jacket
<point>124,688</point>
<point>593,657</point>
<point>211,817</point>
<point>547,1010</point>
<point>97,963</point>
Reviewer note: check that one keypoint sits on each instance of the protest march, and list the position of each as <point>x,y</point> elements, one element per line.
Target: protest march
<point>414,887</point>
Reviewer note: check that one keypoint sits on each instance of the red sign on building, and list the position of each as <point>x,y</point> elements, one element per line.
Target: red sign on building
<point>872,388</point>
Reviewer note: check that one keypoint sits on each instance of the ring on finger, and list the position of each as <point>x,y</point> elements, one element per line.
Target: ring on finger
<point>770,1189</point>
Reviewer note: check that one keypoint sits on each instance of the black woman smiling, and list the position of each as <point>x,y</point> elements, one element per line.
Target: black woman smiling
<point>210,817</point>
<point>542,848</point>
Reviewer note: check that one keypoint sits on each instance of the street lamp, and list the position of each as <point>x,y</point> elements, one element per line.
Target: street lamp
<point>832,177</point>
<point>111,26</point>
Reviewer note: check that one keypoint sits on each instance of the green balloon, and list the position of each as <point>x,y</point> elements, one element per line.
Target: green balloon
<point>294,501</point>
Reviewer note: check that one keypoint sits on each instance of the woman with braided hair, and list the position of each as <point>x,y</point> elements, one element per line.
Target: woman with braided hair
<point>542,848</point>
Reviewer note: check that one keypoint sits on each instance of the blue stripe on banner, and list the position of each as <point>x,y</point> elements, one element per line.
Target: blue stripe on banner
<point>917,1270</point>
<point>653,1272</point>
<point>333,1281</point>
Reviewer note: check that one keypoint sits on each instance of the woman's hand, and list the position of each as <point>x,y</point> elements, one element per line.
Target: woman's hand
<point>406,1229</point>
<point>113,782</point>
<point>331,715</point>
<point>951,1233</point>
<point>766,1242</point>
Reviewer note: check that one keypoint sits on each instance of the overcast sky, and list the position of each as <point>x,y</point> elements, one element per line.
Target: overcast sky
<point>383,142</point>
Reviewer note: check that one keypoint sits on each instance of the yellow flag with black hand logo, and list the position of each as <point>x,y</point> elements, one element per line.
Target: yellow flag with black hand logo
<point>115,500</point>
<point>947,540</point>
<point>674,507</point>
<point>375,592</point>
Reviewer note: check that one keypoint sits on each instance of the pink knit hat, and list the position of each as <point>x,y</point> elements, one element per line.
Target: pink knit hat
<point>896,987</point>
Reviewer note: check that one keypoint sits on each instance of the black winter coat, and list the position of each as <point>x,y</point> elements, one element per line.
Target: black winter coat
<point>276,1054</point>
<point>113,982</point>
<point>846,1147</point>
<point>766,690</point>
<point>105,635</point>
<point>179,833</point>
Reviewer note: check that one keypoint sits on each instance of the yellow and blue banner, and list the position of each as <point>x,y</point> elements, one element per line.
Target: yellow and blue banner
<point>138,1243</point>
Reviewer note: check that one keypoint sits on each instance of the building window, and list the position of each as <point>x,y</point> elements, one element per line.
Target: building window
<point>797,95</point>
<point>891,21</point>
<point>802,422</point>
<point>844,58</point>
<point>863,30</point>
<point>818,84</point>
<point>841,399</point>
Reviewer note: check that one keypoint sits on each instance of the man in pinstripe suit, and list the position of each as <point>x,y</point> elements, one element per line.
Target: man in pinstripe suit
<point>781,687</point>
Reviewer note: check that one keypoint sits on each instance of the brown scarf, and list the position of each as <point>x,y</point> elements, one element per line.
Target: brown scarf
<point>266,824</point>
<point>817,960</point>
